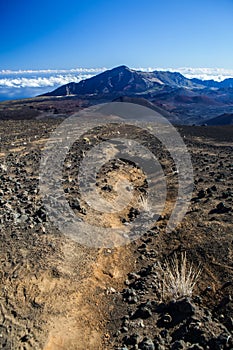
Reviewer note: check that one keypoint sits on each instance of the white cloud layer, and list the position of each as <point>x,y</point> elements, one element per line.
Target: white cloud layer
<point>53,71</point>
<point>21,82</point>
<point>45,78</point>
<point>217,74</point>
<point>54,78</point>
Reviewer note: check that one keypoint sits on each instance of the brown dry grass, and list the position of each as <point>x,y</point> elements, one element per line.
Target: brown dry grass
<point>178,277</point>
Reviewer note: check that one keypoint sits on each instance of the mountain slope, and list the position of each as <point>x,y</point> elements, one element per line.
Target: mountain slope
<point>123,80</point>
<point>176,79</point>
<point>144,102</point>
<point>227,83</point>
<point>120,79</point>
<point>224,119</point>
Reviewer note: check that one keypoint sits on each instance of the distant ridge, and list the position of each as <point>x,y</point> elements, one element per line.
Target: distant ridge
<point>122,80</point>
<point>224,119</point>
<point>227,83</point>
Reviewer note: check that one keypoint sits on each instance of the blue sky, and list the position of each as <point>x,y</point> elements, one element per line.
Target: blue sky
<point>157,33</point>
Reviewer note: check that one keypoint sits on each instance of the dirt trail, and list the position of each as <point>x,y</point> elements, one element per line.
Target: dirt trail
<point>81,311</point>
<point>70,310</point>
<point>55,294</point>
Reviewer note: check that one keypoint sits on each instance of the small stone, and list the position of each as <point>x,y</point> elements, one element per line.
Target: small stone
<point>167,318</point>
<point>185,306</point>
<point>143,312</point>
<point>132,339</point>
<point>124,329</point>
<point>147,344</point>
<point>201,194</point>
<point>132,276</point>
<point>110,290</point>
<point>178,344</point>
<point>107,188</point>
<point>141,323</point>
<point>117,334</point>
<point>164,333</point>
<point>132,300</point>
<point>229,323</point>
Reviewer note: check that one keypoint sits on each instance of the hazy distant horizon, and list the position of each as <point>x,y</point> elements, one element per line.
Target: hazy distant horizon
<point>29,83</point>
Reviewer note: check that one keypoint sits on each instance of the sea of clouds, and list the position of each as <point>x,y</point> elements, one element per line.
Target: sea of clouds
<point>30,83</point>
<point>217,74</point>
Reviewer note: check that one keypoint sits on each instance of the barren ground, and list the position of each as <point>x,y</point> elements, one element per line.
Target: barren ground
<point>58,294</point>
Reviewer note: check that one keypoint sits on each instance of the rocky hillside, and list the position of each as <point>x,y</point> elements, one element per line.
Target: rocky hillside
<point>187,101</point>
<point>124,80</point>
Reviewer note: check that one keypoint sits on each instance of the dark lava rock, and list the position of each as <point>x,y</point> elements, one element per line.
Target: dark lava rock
<point>133,213</point>
<point>228,323</point>
<point>40,215</point>
<point>132,339</point>
<point>176,312</point>
<point>107,188</point>
<point>74,203</point>
<point>185,307</point>
<point>221,208</point>
<point>201,194</point>
<point>142,312</point>
<point>223,341</point>
<point>146,344</point>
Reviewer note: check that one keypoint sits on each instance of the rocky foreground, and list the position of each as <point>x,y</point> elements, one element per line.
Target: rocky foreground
<point>58,294</point>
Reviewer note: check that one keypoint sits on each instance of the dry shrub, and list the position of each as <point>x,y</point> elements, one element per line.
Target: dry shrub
<point>178,277</point>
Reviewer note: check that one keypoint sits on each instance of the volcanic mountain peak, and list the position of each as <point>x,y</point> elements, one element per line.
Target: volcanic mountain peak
<point>120,68</point>
<point>121,80</point>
